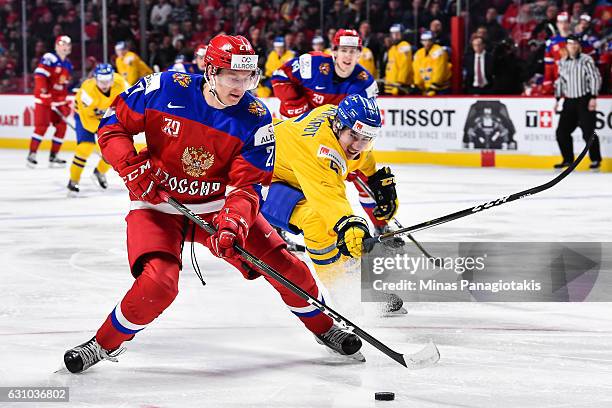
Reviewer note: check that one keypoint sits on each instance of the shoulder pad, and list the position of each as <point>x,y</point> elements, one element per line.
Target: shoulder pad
<point>48,59</point>
<point>437,52</point>
<point>372,90</point>
<point>305,62</point>
<point>86,99</point>
<point>404,48</point>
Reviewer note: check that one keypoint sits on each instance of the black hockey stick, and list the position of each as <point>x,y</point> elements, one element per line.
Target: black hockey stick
<point>370,242</point>
<point>57,111</point>
<point>427,356</point>
<point>436,261</point>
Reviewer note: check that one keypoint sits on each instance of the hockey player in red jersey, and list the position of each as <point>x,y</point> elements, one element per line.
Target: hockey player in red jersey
<point>316,78</point>
<point>555,50</point>
<point>51,80</point>
<point>210,145</point>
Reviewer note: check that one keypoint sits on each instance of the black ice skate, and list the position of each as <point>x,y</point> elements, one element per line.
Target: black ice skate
<point>342,342</point>
<point>55,161</point>
<point>73,189</point>
<point>83,356</point>
<point>395,242</point>
<point>31,160</point>
<point>291,245</point>
<point>394,305</point>
<point>99,179</point>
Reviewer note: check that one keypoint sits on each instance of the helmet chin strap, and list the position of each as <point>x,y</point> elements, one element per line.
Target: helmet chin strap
<point>212,90</point>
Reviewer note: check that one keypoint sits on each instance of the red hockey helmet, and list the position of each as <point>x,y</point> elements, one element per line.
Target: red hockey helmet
<point>348,38</point>
<point>231,52</point>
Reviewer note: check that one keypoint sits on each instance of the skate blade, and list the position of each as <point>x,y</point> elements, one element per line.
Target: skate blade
<point>400,312</point>
<point>61,370</point>
<point>30,165</point>
<point>72,194</point>
<point>97,182</point>
<point>57,165</point>
<point>354,358</point>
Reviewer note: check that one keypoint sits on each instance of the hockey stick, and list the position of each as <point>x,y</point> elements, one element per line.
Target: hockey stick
<point>367,189</point>
<point>57,111</point>
<point>427,356</point>
<point>370,242</point>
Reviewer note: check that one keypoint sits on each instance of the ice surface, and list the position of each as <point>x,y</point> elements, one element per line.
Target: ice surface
<point>233,344</point>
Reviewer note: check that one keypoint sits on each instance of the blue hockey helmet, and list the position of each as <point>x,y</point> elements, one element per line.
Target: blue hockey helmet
<point>279,41</point>
<point>104,73</point>
<point>361,115</point>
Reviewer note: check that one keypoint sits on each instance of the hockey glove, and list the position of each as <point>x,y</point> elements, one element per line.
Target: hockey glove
<point>232,229</point>
<point>382,184</point>
<point>351,230</point>
<point>137,175</point>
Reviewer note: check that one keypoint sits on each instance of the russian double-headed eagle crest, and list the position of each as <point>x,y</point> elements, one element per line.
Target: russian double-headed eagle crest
<point>363,75</point>
<point>182,79</point>
<point>256,108</point>
<point>324,68</point>
<point>196,161</point>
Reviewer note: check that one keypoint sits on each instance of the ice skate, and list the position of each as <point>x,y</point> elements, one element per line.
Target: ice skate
<point>83,356</point>
<point>31,160</point>
<point>394,306</point>
<point>73,189</point>
<point>291,245</point>
<point>342,342</point>
<point>99,179</point>
<point>56,162</point>
<point>395,242</point>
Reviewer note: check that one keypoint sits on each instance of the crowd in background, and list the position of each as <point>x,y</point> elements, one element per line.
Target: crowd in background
<point>513,32</point>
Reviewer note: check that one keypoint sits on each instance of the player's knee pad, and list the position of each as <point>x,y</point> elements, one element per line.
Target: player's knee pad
<point>60,129</point>
<point>41,129</point>
<point>163,269</point>
<point>84,150</point>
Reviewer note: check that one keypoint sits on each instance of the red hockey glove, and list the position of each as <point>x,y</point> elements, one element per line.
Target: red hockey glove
<point>63,110</point>
<point>232,229</point>
<point>137,175</point>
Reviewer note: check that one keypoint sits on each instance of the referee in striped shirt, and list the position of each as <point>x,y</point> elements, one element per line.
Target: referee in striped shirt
<point>578,83</point>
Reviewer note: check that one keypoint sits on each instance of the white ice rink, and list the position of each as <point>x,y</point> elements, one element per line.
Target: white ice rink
<point>232,343</point>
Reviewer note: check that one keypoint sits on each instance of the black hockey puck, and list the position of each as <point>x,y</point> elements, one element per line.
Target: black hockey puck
<point>384,396</point>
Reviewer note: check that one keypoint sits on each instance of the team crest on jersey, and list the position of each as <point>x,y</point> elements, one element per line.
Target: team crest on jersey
<point>182,79</point>
<point>362,75</point>
<point>196,161</point>
<point>256,108</point>
<point>324,68</point>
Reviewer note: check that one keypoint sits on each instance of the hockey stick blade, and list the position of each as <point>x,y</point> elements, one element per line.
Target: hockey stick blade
<point>370,242</point>
<point>271,272</point>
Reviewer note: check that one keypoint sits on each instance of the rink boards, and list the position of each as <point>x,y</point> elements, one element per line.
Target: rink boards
<point>510,132</point>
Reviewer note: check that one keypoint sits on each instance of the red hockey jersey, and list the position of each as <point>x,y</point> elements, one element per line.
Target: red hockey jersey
<point>51,79</point>
<point>202,154</point>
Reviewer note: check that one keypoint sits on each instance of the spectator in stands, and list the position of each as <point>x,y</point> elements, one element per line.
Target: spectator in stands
<point>413,18</point>
<point>302,46</point>
<point>495,31</point>
<point>129,65</point>
<point>318,43</point>
<point>439,35</point>
<point>398,67</point>
<point>259,45</point>
<point>548,26</point>
<point>160,14</point>
<point>180,12</point>
<point>432,71</point>
<point>478,68</point>
<point>167,53</point>
<point>435,12</point>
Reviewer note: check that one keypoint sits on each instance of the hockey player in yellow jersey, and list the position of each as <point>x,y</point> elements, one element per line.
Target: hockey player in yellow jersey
<point>129,65</point>
<point>432,71</point>
<point>398,71</point>
<point>276,58</point>
<point>314,154</point>
<point>92,99</point>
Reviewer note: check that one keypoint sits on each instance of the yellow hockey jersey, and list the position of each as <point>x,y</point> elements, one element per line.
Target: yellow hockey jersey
<point>310,158</point>
<point>274,62</point>
<point>90,103</point>
<point>368,61</point>
<point>131,67</point>
<point>432,71</point>
<point>399,64</point>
